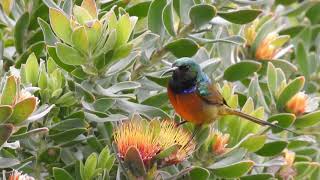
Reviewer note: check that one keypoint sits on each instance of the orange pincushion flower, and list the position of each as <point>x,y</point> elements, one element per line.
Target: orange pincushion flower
<point>151,140</point>
<point>16,175</point>
<point>265,50</point>
<point>287,171</point>
<point>219,142</point>
<point>136,134</point>
<point>170,135</point>
<point>298,103</point>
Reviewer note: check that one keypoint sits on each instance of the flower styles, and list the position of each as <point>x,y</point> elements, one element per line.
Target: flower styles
<point>266,50</point>
<point>16,175</point>
<point>135,133</point>
<point>302,103</point>
<point>219,142</point>
<point>150,140</point>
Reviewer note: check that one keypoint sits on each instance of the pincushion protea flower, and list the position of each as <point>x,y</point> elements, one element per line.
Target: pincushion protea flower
<point>150,140</point>
<point>170,135</point>
<point>302,103</point>
<point>287,171</point>
<point>134,133</point>
<point>266,50</point>
<point>219,142</point>
<point>16,175</point>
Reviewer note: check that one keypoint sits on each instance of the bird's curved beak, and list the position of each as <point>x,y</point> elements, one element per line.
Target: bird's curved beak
<point>168,71</point>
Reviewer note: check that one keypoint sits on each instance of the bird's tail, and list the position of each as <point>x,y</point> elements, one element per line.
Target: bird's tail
<point>229,111</point>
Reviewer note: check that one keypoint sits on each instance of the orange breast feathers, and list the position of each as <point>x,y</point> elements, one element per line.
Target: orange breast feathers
<point>192,108</point>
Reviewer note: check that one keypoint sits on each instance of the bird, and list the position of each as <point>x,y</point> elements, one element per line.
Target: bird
<point>196,99</point>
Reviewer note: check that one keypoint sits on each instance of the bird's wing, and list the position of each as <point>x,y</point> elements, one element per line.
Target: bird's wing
<point>209,93</point>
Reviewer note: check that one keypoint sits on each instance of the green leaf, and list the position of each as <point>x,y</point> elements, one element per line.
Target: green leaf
<point>9,92</point>
<point>183,47</point>
<point>272,78</point>
<point>262,176</point>
<point>93,29</point>
<point>234,170</point>
<point>122,52</point>
<point>61,174</point>
<point>124,29</point>
<point>91,7</point>
<point>80,39</point>
<point>5,113</point>
<point>67,7</point>
<point>167,152</point>
<point>103,157</point>
<point>241,70</point>
<point>81,14</point>
<point>23,109</point>
<point>147,111</point>
<point>53,54</point>
<point>49,36</point>
<point>272,148</point>
<point>302,59</point>
<point>280,41</point>
<point>69,55</point>
<point>133,161</point>
<point>313,14</point>
<point>199,173</point>
<point>285,65</point>
<point>90,166</point>
<point>201,14</point>
<point>254,143</point>
<point>140,9</point>
<point>20,31</point>
<point>70,124</point>
<point>60,25</point>
<point>184,9</point>
<point>66,136</point>
<point>35,48</point>
<point>121,86</point>
<point>289,91</point>
<point>157,100</point>
<point>28,134</point>
<point>168,19</point>
<point>308,120</point>
<point>32,70</point>
<point>305,169</point>
<point>284,120</point>
<point>5,133</point>
<point>155,23</point>
<point>79,73</point>
<point>292,31</point>
<point>240,16</point>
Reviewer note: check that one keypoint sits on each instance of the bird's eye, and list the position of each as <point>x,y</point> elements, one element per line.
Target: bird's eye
<point>184,67</point>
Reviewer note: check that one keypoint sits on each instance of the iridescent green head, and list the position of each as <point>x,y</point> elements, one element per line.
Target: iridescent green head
<point>185,74</point>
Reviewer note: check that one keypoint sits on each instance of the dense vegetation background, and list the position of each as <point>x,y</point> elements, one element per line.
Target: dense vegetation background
<point>72,70</point>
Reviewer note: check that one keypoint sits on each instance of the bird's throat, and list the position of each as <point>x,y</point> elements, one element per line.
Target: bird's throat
<point>183,87</point>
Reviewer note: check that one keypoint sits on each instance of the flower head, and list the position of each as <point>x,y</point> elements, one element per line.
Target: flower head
<point>219,142</point>
<point>170,135</point>
<point>266,50</point>
<point>135,133</point>
<point>151,140</point>
<point>302,103</point>
<point>287,171</point>
<point>16,175</point>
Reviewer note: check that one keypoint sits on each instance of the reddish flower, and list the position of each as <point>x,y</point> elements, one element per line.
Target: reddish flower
<point>16,175</point>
